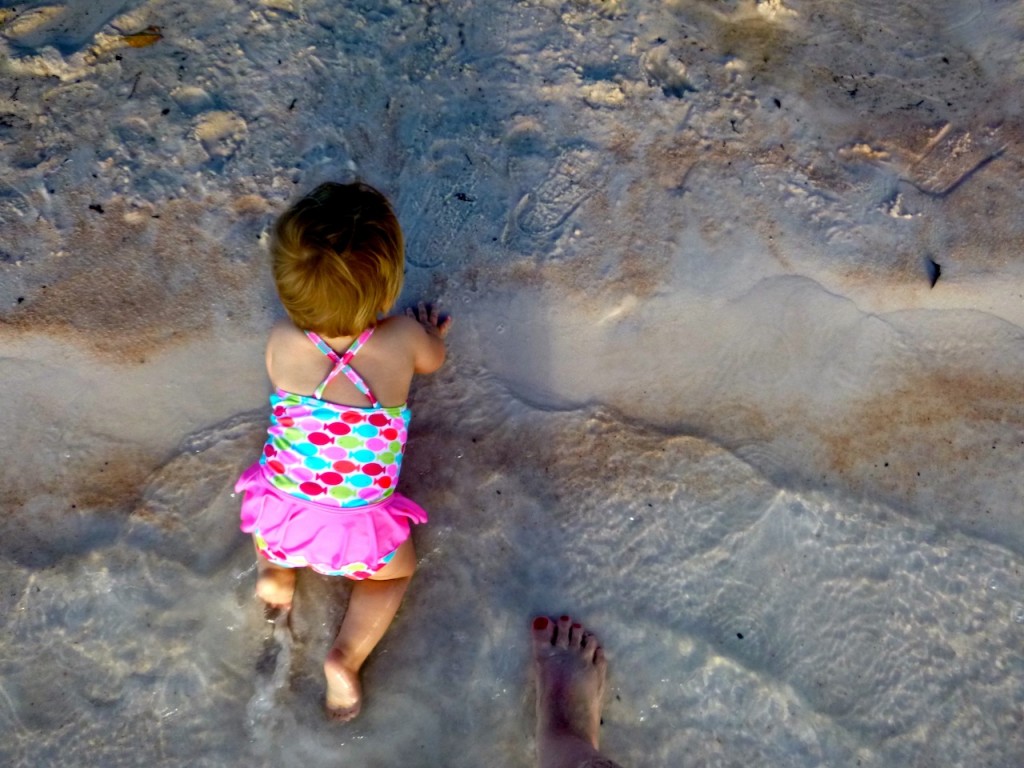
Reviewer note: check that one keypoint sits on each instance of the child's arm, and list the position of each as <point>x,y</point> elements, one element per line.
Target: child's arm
<point>429,350</point>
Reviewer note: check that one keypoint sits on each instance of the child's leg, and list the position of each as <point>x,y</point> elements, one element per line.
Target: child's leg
<point>275,585</point>
<point>371,608</point>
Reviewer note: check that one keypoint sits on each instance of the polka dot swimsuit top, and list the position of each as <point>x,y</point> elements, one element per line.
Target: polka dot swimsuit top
<point>335,454</point>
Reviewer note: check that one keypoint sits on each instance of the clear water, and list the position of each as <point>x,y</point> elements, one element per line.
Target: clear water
<point>707,388</point>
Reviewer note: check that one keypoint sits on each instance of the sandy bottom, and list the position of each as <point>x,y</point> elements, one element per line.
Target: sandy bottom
<point>735,375</point>
<point>745,622</point>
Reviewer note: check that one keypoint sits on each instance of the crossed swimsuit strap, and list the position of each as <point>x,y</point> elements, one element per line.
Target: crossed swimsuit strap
<point>341,365</point>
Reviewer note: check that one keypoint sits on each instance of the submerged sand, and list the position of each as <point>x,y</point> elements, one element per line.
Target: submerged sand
<point>735,375</point>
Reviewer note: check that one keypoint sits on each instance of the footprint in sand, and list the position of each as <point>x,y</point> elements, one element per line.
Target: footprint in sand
<point>951,157</point>
<point>572,179</point>
<point>440,211</point>
<point>67,27</point>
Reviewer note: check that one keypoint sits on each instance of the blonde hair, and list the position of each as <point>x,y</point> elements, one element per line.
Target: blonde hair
<point>338,259</point>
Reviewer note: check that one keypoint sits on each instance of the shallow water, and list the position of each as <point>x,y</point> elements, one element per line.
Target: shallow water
<point>734,376</point>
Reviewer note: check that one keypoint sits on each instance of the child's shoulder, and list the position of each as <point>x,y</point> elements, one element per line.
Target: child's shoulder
<point>403,335</point>
<point>396,333</point>
<point>398,325</point>
<point>426,349</point>
<point>284,334</point>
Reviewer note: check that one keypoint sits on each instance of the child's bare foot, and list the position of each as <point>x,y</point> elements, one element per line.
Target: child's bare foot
<point>344,691</point>
<point>275,586</point>
<point>570,686</point>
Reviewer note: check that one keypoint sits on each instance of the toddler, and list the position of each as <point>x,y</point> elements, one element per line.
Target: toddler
<point>322,495</point>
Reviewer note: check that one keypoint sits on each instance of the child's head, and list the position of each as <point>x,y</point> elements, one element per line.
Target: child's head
<point>338,259</point>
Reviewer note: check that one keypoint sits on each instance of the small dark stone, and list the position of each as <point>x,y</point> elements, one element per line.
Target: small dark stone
<point>739,635</point>
<point>96,207</point>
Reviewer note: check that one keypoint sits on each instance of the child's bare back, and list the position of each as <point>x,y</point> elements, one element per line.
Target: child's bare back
<point>401,346</point>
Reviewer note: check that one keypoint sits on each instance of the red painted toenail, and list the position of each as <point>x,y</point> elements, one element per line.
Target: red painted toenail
<point>541,622</point>
<point>565,618</point>
<point>577,626</point>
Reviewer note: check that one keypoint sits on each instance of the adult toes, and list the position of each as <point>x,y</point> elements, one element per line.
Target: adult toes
<point>564,632</point>
<point>543,632</point>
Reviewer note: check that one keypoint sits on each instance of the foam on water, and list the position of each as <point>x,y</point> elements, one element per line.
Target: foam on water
<point>734,376</point>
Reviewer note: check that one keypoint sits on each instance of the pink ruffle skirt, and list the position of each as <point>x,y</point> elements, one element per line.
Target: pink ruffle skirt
<point>328,539</point>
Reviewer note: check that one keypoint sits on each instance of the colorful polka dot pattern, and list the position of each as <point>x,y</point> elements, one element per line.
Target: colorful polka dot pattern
<point>352,570</point>
<point>334,454</point>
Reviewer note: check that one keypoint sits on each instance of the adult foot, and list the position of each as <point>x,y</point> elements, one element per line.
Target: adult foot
<point>344,691</point>
<point>570,681</point>
<point>276,586</point>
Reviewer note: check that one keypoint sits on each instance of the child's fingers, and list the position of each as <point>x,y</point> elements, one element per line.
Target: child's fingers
<point>430,317</point>
<point>444,327</point>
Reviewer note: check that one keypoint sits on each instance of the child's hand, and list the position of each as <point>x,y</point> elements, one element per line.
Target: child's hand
<point>430,319</point>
